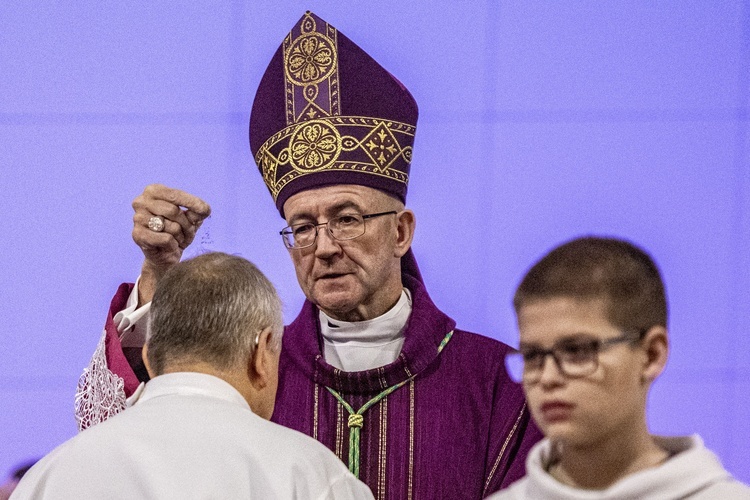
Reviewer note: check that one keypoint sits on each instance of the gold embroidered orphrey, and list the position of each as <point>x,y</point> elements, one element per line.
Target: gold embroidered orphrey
<point>317,137</point>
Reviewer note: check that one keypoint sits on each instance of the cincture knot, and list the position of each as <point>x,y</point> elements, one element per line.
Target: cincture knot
<point>356,420</point>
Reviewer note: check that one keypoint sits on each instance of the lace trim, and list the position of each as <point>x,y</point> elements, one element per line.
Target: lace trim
<point>100,393</point>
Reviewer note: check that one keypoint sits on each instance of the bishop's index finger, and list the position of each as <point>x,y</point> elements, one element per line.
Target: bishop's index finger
<point>196,219</point>
<point>192,204</point>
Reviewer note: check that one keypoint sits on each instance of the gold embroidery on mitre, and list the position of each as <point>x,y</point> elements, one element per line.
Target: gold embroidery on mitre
<point>381,146</point>
<point>311,71</point>
<point>314,146</point>
<point>353,143</point>
<point>316,137</point>
<point>310,59</point>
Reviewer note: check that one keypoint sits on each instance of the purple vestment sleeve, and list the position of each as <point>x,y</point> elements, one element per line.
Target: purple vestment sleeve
<point>116,360</point>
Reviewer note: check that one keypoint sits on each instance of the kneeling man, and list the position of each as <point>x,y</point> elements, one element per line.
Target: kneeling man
<point>198,428</point>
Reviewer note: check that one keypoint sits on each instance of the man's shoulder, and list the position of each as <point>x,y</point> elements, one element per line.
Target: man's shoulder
<point>62,466</point>
<point>296,447</point>
<point>292,453</point>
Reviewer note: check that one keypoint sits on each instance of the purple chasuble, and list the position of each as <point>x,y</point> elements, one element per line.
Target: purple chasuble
<point>459,429</point>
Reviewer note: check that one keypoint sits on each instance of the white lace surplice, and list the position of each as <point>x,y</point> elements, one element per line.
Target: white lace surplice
<point>100,393</point>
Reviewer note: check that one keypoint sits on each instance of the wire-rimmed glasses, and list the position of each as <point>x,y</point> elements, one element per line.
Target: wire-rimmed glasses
<point>341,228</point>
<point>575,357</point>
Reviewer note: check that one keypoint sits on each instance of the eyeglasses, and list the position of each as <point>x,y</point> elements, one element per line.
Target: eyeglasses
<point>575,358</point>
<point>341,228</point>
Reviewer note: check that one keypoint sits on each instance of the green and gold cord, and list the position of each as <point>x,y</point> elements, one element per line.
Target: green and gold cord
<point>357,420</point>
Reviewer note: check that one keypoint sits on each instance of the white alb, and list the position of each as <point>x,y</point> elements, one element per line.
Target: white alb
<point>692,472</point>
<point>190,435</point>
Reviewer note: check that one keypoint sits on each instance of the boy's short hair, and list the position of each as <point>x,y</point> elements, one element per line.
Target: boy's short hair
<point>591,267</point>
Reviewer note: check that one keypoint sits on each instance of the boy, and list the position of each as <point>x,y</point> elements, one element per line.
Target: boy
<point>592,317</point>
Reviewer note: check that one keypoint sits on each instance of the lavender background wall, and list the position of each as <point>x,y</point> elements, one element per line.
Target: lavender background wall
<point>539,121</point>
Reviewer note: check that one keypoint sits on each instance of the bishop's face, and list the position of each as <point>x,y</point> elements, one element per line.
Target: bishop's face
<point>357,279</point>
<point>586,411</point>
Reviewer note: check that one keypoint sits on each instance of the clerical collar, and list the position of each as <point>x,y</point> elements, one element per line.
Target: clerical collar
<point>349,345</point>
<point>384,328</point>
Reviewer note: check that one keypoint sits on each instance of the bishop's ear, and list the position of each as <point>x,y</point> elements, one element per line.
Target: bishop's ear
<point>656,349</point>
<point>406,224</point>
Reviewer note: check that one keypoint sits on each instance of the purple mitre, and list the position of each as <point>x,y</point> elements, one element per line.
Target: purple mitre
<point>327,113</point>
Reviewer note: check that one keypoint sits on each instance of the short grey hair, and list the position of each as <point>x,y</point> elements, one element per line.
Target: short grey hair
<point>211,309</point>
